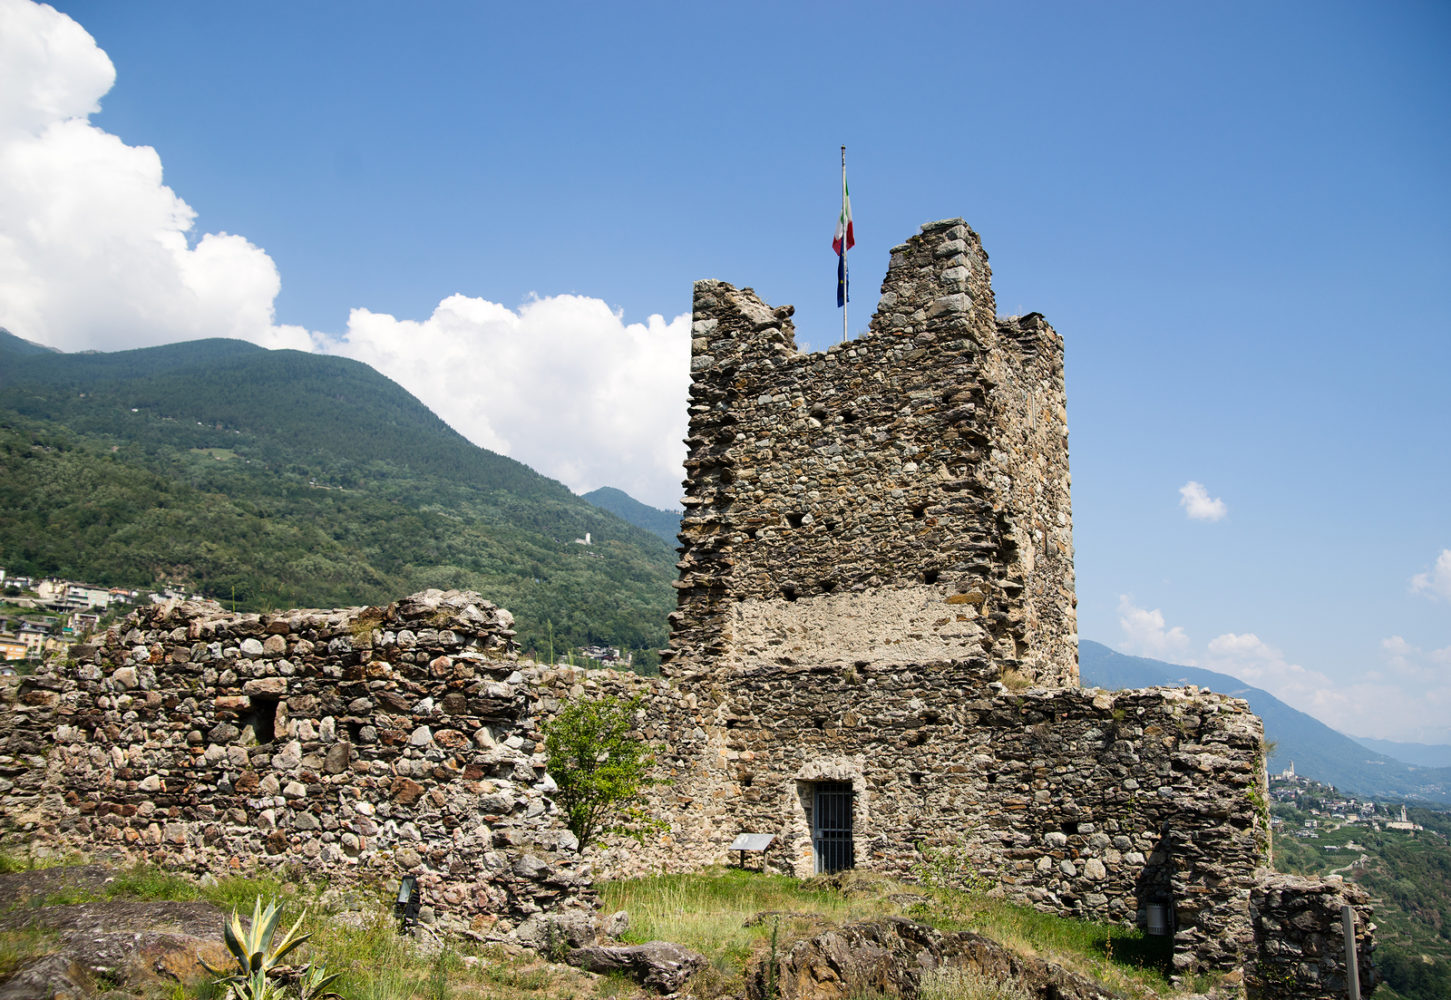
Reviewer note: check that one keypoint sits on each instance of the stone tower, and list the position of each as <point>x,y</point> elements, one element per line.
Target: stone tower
<point>902,497</point>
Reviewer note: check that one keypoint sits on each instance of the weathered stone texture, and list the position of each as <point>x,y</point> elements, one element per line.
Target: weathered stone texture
<point>877,537</point>
<point>890,957</point>
<point>364,743</point>
<point>1299,947</point>
<point>901,496</point>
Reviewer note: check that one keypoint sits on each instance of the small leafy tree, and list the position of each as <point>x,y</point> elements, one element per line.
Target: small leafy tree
<point>600,764</point>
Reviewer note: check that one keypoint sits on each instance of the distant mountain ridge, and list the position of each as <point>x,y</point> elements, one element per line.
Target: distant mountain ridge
<point>1420,754</point>
<point>1318,751</point>
<point>290,479</point>
<point>20,347</point>
<point>663,523</point>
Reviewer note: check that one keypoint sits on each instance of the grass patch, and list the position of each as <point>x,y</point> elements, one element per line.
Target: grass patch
<point>727,914</point>
<point>19,946</point>
<point>11,862</point>
<point>710,911</point>
<point>715,913</point>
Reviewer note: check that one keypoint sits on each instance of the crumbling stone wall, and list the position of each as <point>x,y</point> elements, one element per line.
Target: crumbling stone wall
<point>1299,947</point>
<point>363,744</point>
<point>1087,803</point>
<point>902,497</point>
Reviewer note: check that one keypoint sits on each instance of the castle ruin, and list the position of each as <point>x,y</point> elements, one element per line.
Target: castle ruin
<point>873,654</point>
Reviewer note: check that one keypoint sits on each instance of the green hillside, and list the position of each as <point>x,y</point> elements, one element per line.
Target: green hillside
<point>664,523</point>
<point>295,479</point>
<point>1408,875</point>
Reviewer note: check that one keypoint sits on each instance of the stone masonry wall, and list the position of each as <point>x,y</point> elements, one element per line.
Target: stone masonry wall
<point>902,497</point>
<point>878,539</point>
<point>1299,951</point>
<point>363,744</point>
<point>1086,803</point>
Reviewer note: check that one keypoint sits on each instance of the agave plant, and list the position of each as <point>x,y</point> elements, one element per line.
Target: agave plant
<point>256,957</point>
<point>314,981</point>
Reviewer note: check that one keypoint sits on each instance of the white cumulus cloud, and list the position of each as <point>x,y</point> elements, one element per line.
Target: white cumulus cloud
<point>1435,582</point>
<point>563,384</point>
<point>98,253</point>
<point>95,251</point>
<point>1146,633</point>
<point>1195,500</point>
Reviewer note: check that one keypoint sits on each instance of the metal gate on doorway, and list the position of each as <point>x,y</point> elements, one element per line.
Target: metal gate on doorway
<point>831,823</point>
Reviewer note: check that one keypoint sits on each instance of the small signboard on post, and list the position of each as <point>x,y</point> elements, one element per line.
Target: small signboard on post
<point>757,842</point>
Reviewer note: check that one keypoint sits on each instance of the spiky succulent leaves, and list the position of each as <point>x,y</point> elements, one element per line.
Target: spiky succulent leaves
<point>314,982</point>
<point>251,946</point>
<point>290,942</point>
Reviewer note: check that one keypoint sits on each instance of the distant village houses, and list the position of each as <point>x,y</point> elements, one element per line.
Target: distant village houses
<point>607,655</point>
<point>52,613</point>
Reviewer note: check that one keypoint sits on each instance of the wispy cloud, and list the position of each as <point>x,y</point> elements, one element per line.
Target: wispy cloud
<point>1435,582</point>
<point>1195,500</point>
<point>1145,632</point>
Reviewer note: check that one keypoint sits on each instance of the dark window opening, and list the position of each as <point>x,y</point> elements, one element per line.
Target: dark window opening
<point>789,593</point>
<point>919,511</point>
<point>261,721</point>
<point>795,519</point>
<point>831,826</point>
<point>827,586</point>
<point>931,575</point>
<point>1070,827</point>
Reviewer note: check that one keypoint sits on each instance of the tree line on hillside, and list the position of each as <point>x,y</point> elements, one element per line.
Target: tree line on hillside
<point>243,524</point>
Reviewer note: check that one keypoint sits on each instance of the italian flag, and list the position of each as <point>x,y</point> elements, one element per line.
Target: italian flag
<point>844,239</point>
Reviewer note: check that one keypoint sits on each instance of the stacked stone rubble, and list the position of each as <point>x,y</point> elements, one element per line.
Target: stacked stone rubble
<point>360,744</point>
<point>1299,951</point>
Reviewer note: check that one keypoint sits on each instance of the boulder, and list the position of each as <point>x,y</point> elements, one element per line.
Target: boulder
<point>889,955</point>
<point>658,965</point>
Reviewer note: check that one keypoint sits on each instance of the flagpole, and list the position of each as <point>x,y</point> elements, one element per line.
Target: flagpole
<point>844,292</point>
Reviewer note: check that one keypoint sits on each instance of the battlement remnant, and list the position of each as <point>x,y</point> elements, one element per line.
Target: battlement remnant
<point>902,497</point>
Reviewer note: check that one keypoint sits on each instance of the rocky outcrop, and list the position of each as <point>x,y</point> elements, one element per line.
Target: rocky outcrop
<point>658,965</point>
<point>107,944</point>
<point>890,956</point>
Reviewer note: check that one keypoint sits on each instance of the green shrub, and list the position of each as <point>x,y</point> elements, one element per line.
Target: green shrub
<point>600,765</point>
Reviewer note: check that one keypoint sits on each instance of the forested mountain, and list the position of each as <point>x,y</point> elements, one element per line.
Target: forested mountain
<point>664,523</point>
<point>288,478</point>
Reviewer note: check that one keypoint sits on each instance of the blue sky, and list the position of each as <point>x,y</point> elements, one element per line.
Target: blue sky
<point>1237,216</point>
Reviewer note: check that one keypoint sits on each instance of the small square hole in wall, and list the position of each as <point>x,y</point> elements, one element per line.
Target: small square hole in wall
<point>260,724</point>
<point>795,519</point>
